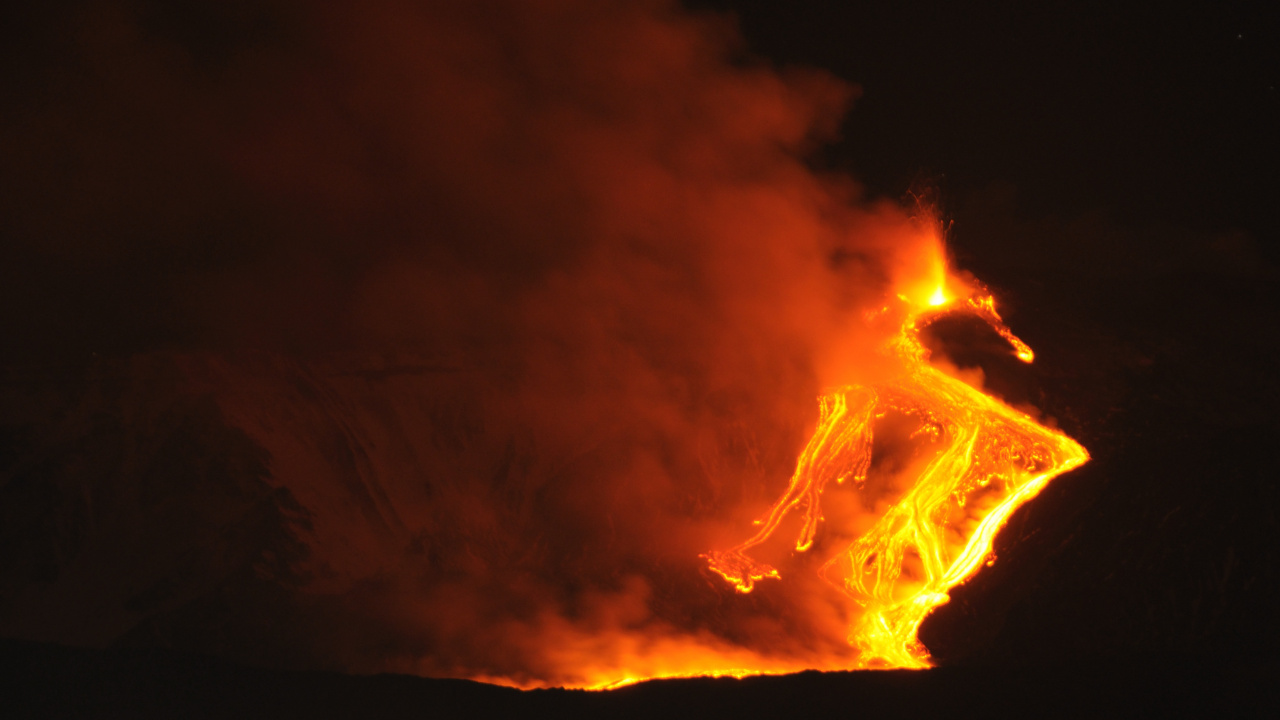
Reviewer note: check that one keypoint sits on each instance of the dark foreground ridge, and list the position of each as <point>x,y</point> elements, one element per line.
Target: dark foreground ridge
<point>44,680</point>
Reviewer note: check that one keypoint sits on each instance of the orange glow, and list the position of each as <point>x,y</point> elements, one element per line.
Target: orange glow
<point>959,463</point>
<point>974,460</point>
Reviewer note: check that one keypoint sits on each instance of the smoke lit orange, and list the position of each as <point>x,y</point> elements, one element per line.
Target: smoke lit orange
<point>976,460</point>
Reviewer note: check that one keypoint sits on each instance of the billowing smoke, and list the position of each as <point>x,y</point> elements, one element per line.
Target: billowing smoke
<point>526,304</point>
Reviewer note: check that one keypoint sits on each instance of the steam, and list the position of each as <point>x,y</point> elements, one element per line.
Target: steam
<point>597,215</point>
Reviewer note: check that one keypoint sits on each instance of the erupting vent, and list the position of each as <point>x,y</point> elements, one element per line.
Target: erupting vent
<point>976,461</point>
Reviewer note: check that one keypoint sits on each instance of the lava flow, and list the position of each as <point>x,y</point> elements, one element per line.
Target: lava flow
<point>975,460</point>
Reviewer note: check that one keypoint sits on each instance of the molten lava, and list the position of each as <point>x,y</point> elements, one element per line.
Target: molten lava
<point>975,460</point>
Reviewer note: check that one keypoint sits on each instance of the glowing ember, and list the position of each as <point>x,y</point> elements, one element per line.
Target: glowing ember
<point>975,460</point>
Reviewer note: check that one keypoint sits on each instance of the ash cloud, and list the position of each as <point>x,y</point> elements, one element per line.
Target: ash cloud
<point>595,215</point>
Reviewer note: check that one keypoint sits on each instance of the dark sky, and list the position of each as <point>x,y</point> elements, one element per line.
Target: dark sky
<point>1149,112</point>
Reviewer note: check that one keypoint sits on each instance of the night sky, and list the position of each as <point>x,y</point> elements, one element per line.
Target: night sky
<point>1147,113</point>
<point>208,179</point>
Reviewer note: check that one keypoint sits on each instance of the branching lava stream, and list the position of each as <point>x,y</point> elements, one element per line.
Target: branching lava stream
<point>980,460</point>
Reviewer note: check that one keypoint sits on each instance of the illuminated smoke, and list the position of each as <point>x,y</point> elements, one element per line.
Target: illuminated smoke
<point>527,301</point>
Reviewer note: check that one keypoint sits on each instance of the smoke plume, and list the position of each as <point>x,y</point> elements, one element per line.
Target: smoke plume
<point>527,302</point>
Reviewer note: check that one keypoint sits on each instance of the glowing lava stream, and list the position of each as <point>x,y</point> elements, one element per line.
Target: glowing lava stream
<point>980,459</point>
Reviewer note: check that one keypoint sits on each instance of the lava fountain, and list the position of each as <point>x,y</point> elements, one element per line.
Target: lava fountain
<point>976,460</point>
